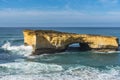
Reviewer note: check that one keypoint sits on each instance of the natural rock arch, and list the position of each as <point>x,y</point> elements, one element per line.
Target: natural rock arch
<point>48,41</point>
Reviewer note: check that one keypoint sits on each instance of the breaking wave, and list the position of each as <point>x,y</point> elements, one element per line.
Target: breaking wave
<point>30,70</point>
<point>20,50</point>
<point>27,68</point>
<point>40,71</point>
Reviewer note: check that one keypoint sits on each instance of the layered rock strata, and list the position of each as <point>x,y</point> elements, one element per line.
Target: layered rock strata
<point>49,41</point>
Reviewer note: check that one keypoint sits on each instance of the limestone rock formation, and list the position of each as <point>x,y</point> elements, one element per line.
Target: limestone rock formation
<point>49,41</point>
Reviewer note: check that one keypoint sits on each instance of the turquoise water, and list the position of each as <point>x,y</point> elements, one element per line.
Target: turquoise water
<point>73,64</point>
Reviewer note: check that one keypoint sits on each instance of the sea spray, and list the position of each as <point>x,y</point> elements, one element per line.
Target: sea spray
<point>15,67</point>
<point>20,50</point>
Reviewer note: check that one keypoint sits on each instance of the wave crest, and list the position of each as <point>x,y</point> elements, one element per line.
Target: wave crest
<point>21,50</point>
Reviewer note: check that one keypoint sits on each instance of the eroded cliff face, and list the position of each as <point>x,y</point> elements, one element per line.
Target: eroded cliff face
<point>48,41</point>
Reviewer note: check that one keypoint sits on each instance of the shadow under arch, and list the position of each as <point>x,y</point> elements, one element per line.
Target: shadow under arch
<point>84,46</point>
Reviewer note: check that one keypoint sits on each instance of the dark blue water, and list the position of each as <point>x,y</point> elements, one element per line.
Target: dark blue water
<point>73,64</point>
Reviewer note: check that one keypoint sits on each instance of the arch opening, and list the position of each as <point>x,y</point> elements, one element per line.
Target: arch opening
<point>73,47</point>
<point>78,47</point>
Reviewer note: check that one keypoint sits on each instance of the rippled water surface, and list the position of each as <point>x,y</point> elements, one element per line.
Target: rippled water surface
<point>73,64</point>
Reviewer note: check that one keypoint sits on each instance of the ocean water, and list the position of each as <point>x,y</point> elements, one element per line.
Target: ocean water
<point>17,64</point>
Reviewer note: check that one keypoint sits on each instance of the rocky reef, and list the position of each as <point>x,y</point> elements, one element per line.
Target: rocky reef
<point>49,41</point>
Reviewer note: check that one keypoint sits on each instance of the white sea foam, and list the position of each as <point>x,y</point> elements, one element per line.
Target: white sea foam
<point>89,73</point>
<point>20,50</point>
<point>30,68</point>
<point>24,70</point>
<point>40,77</point>
<point>77,73</point>
<point>41,71</point>
<point>109,52</point>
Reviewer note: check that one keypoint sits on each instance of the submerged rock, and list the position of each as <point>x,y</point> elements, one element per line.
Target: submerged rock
<point>49,41</point>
